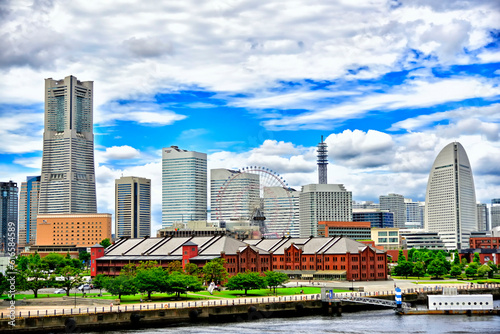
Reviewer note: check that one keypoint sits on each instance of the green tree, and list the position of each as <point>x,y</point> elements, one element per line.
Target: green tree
<point>105,243</point>
<point>463,262</point>
<point>129,270</point>
<point>471,269</point>
<point>436,268</point>
<point>122,285</point>
<point>150,280</point>
<point>246,281</point>
<point>4,284</point>
<point>84,257</point>
<point>404,268</point>
<point>411,254</point>
<point>147,265</point>
<point>275,279</point>
<point>180,283</point>
<point>401,256</point>
<point>214,271</point>
<point>54,261</point>
<point>174,266</point>
<point>483,270</point>
<point>192,269</point>
<point>418,269</point>
<point>22,263</point>
<point>71,278</point>
<point>494,269</point>
<point>100,282</point>
<point>476,258</point>
<point>36,277</point>
<point>456,270</point>
<point>456,258</point>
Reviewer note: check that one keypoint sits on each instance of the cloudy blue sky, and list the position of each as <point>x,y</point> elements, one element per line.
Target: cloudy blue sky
<point>388,83</point>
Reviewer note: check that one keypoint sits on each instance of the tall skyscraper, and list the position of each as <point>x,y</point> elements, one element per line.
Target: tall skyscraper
<point>68,177</point>
<point>184,186</point>
<point>28,210</point>
<point>495,213</point>
<point>233,194</point>
<point>8,215</point>
<point>323,202</point>
<point>322,162</point>
<point>396,204</point>
<point>450,201</point>
<point>414,213</point>
<point>132,207</point>
<point>483,217</point>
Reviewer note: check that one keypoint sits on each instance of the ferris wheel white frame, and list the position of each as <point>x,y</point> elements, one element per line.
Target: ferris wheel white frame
<point>265,174</point>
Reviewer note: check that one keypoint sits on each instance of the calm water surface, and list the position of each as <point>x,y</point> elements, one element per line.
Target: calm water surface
<point>381,321</point>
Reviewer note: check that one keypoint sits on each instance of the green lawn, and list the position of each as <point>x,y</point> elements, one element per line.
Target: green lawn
<point>200,295</point>
<point>263,292</point>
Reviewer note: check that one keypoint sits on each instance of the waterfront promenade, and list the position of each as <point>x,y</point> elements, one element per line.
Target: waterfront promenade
<point>369,289</point>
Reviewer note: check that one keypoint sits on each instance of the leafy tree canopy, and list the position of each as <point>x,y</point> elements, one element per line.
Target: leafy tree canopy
<point>105,243</point>
<point>275,279</point>
<point>180,283</point>
<point>246,281</point>
<point>150,280</point>
<point>214,271</point>
<point>121,285</point>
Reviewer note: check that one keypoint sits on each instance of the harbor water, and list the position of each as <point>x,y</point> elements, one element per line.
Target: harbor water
<point>377,322</point>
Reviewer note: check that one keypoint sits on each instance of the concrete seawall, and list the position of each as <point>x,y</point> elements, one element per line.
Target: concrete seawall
<point>159,317</point>
<point>194,312</point>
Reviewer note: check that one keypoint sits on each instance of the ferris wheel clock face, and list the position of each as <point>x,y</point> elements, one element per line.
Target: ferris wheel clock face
<point>257,194</point>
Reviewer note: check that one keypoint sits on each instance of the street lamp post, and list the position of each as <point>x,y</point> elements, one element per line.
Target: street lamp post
<point>352,286</point>
<point>75,289</point>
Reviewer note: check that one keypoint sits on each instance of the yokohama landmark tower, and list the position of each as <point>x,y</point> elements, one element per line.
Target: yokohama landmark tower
<point>67,182</point>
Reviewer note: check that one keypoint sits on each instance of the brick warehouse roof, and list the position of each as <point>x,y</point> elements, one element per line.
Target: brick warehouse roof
<point>170,248</point>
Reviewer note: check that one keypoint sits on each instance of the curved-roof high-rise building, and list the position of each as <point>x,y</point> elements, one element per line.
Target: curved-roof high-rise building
<point>450,206</point>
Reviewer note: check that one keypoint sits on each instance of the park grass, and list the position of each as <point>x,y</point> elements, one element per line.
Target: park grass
<point>263,292</point>
<point>200,295</point>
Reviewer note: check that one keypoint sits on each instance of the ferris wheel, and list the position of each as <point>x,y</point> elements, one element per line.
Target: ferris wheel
<point>257,194</point>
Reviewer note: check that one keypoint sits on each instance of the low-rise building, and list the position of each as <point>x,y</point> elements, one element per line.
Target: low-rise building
<point>353,230</point>
<point>80,230</point>
<point>301,258</point>
<point>388,238</point>
<point>411,238</point>
<point>485,242</point>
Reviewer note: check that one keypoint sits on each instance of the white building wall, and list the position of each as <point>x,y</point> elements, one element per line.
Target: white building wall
<point>450,196</point>
<point>460,302</point>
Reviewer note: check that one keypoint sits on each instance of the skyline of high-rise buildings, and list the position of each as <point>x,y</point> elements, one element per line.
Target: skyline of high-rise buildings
<point>451,207</point>
<point>67,182</point>
<point>67,173</point>
<point>132,207</point>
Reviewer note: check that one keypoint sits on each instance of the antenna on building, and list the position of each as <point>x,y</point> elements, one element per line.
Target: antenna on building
<point>322,162</point>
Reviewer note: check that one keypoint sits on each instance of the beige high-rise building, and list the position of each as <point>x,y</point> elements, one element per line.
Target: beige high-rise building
<point>68,176</point>
<point>132,207</point>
